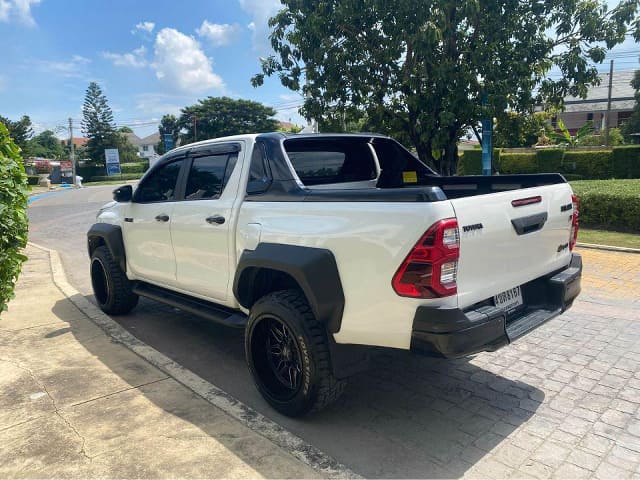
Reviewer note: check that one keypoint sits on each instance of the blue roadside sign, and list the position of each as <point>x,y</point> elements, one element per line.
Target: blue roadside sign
<point>168,141</point>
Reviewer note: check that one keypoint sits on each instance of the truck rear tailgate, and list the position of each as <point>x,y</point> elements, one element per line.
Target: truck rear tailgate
<point>510,238</point>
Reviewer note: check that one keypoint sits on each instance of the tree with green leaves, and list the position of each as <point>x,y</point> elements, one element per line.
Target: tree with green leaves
<point>126,150</point>
<point>97,123</point>
<point>20,131</point>
<point>46,145</point>
<point>168,126</point>
<point>513,130</point>
<point>632,125</point>
<point>424,70</point>
<point>13,215</point>
<point>221,116</point>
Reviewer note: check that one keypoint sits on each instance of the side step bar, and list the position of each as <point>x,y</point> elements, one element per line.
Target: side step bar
<point>201,308</point>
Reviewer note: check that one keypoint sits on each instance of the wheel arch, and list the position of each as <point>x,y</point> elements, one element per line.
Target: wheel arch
<point>110,236</point>
<point>272,267</point>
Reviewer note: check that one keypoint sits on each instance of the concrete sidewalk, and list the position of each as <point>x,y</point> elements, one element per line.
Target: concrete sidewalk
<point>76,403</point>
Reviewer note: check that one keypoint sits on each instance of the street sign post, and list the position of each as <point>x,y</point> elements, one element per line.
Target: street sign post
<point>112,157</point>
<point>487,140</point>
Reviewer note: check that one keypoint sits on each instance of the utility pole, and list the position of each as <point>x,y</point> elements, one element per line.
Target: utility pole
<point>73,152</point>
<point>608,117</point>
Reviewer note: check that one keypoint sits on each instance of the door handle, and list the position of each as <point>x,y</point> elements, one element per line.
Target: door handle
<point>163,217</point>
<point>216,219</point>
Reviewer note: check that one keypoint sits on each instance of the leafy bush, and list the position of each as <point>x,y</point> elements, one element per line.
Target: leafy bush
<point>570,177</point>
<point>33,179</point>
<point>589,164</point>
<point>609,204</point>
<point>518,163</point>
<point>87,172</point>
<point>626,162</point>
<point>137,167</point>
<point>471,162</point>
<point>124,176</point>
<point>549,159</point>
<point>13,216</point>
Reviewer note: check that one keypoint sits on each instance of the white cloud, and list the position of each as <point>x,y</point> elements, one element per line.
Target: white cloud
<point>20,9</point>
<point>181,63</point>
<point>219,34</point>
<point>260,12</point>
<point>135,58</point>
<point>73,68</point>
<point>80,59</point>
<point>144,27</point>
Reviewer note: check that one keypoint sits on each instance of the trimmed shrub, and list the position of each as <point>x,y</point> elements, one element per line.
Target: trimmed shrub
<point>625,162</point>
<point>87,172</point>
<point>570,177</point>
<point>609,204</point>
<point>590,164</point>
<point>471,161</point>
<point>124,176</point>
<point>138,167</point>
<point>13,215</point>
<point>517,163</point>
<point>33,179</point>
<point>549,160</point>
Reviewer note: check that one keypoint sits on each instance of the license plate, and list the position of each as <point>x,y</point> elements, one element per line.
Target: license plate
<point>509,300</point>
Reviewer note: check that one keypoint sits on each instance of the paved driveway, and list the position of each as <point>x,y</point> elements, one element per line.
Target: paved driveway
<point>563,401</point>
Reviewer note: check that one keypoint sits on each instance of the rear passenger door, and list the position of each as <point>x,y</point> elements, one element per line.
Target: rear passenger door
<point>202,224</point>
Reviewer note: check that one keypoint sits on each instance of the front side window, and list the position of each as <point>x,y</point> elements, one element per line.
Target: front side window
<point>208,176</point>
<point>160,186</point>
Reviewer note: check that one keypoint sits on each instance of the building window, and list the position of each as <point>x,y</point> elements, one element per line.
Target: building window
<point>590,117</point>
<point>554,122</point>
<point>145,148</point>
<point>623,117</point>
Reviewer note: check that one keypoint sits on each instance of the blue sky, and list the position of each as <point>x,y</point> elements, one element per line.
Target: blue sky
<point>150,58</point>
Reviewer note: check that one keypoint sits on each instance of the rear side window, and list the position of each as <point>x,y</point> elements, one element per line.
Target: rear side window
<point>208,176</point>
<point>322,162</point>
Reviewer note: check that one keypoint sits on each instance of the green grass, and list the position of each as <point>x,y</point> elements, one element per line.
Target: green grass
<point>614,187</point>
<point>603,237</point>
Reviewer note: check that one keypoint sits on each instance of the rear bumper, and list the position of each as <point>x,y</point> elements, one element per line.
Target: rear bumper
<point>455,333</point>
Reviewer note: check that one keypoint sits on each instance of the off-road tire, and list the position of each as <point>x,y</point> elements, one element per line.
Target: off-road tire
<point>111,287</point>
<point>318,387</point>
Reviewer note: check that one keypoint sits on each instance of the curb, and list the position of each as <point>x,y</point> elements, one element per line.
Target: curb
<point>609,248</point>
<point>292,444</point>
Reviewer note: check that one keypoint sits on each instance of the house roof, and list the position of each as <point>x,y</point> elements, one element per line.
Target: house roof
<point>622,94</point>
<point>151,139</point>
<point>77,141</point>
<point>133,139</point>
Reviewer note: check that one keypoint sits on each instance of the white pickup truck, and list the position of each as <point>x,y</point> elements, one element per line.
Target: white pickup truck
<point>321,246</point>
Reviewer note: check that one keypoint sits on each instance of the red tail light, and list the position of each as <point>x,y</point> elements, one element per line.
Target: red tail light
<point>430,270</point>
<point>573,238</point>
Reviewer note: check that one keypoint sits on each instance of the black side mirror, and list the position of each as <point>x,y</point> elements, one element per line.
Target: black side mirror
<point>123,194</point>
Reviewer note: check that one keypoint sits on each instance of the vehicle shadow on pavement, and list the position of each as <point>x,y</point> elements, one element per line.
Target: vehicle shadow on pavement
<point>117,404</point>
<point>407,416</point>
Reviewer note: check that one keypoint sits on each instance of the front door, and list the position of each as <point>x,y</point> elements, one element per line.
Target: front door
<point>147,226</point>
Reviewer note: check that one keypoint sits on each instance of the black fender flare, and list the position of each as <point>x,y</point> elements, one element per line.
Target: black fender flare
<point>111,236</point>
<point>313,269</point>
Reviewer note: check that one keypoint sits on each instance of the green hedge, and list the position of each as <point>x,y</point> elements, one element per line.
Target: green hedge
<point>471,161</point>
<point>549,160</point>
<point>124,176</point>
<point>626,162</point>
<point>589,164</point>
<point>138,167</point>
<point>517,163</point>
<point>609,204</point>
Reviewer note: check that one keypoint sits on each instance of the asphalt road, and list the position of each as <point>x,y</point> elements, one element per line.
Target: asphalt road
<point>409,416</point>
